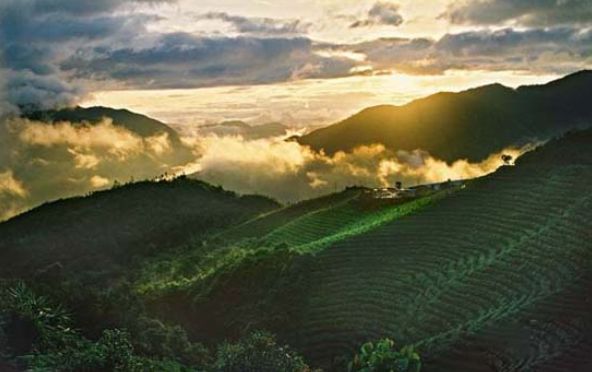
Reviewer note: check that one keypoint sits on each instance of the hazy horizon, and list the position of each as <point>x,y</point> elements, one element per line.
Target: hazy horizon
<point>316,103</point>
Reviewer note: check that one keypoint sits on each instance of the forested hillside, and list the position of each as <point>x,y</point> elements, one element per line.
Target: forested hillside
<point>110,227</point>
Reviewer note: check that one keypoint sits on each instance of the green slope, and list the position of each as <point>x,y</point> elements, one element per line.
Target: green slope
<point>263,225</point>
<point>108,228</point>
<point>307,227</point>
<point>494,277</point>
<point>468,125</point>
<point>317,230</point>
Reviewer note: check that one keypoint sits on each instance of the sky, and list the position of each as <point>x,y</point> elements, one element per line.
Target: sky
<point>305,63</point>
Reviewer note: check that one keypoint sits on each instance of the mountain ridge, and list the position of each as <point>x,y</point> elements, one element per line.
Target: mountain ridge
<point>470,124</point>
<point>140,124</point>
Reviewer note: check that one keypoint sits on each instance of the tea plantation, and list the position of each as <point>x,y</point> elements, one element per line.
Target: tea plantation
<point>494,277</point>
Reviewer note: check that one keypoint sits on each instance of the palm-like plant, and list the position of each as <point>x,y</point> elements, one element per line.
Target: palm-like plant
<point>382,356</point>
<point>48,320</point>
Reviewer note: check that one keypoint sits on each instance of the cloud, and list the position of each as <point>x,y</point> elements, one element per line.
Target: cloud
<point>82,8</point>
<point>98,182</point>
<point>181,60</point>
<point>12,194</point>
<point>520,12</point>
<point>158,144</point>
<point>531,50</point>
<point>291,172</point>
<point>84,160</point>
<point>57,51</point>
<point>260,26</point>
<point>115,140</point>
<point>41,91</point>
<point>42,161</point>
<point>557,50</point>
<point>381,14</point>
<point>401,54</point>
<point>37,35</point>
<point>11,186</point>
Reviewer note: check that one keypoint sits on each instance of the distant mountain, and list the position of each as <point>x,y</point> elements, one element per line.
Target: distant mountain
<point>240,128</point>
<point>141,125</point>
<point>470,124</point>
<point>111,227</point>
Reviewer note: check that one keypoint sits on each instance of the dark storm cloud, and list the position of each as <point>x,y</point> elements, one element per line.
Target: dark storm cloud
<point>523,12</point>
<point>82,7</point>
<point>381,13</point>
<point>35,35</point>
<point>185,60</point>
<point>54,48</point>
<point>260,26</point>
<point>557,50</point>
<point>550,50</point>
<point>38,91</point>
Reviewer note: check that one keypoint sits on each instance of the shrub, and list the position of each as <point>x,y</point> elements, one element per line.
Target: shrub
<point>40,336</point>
<point>152,337</point>
<point>258,352</point>
<point>384,357</point>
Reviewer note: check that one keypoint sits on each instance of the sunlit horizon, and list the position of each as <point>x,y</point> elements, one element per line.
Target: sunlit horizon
<point>299,104</point>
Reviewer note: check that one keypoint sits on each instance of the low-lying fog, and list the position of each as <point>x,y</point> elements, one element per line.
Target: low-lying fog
<point>40,162</point>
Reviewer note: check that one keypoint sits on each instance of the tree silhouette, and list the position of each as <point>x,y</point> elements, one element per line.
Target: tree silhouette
<point>507,159</point>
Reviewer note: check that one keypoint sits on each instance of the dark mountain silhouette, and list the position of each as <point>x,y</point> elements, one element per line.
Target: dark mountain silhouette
<point>141,125</point>
<point>470,124</point>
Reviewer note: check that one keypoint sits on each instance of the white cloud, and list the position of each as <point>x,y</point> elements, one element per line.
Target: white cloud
<point>290,172</point>
<point>11,186</point>
<point>98,182</point>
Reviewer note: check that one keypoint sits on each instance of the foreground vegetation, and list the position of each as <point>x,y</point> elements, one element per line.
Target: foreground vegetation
<point>37,335</point>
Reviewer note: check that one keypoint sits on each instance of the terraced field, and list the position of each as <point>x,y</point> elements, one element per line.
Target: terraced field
<point>306,227</point>
<point>494,278</point>
<point>353,216</point>
<point>265,224</point>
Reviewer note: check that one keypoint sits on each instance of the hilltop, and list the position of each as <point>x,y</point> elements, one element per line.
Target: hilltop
<point>110,227</point>
<point>468,125</point>
<point>141,125</point>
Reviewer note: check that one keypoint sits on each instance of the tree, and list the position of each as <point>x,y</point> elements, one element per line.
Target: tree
<point>507,159</point>
<point>257,352</point>
<point>382,356</point>
<point>51,344</point>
